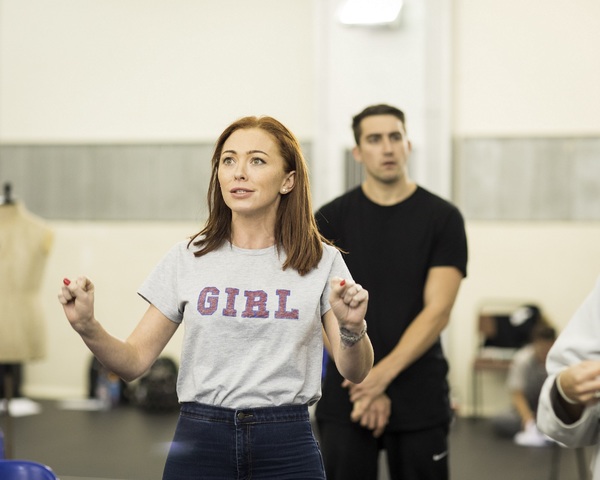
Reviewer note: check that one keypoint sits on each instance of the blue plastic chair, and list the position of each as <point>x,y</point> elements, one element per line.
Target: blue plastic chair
<point>25,470</point>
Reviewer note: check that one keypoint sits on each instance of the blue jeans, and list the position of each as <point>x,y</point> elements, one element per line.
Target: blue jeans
<point>256,443</point>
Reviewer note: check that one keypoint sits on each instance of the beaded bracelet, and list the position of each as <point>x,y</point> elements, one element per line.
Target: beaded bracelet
<point>350,339</point>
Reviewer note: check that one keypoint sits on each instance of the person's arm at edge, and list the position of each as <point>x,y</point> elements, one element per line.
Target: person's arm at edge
<point>558,423</point>
<point>568,407</point>
<point>566,411</point>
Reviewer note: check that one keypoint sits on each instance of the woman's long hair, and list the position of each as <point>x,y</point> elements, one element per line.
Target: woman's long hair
<point>296,231</point>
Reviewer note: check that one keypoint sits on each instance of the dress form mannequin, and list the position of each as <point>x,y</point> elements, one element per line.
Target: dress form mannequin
<point>25,243</point>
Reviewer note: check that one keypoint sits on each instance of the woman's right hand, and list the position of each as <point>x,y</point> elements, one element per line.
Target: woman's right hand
<point>77,299</point>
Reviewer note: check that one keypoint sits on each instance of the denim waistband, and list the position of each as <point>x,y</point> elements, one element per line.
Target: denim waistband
<point>284,413</point>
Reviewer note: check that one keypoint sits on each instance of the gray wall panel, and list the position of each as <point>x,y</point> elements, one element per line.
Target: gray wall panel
<point>110,182</point>
<point>528,178</point>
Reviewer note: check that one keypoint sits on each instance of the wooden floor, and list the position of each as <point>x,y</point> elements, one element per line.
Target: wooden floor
<point>129,444</point>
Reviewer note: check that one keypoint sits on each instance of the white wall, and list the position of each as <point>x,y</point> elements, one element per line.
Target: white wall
<point>523,67</point>
<point>140,70</point>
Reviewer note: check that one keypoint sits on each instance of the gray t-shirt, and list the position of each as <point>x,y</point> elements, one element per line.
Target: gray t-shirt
<point>252,330</point>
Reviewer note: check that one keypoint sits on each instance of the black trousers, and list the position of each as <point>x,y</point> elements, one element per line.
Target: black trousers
<point>350,452</point>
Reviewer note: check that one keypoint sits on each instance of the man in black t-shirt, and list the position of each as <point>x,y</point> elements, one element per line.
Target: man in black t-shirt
<point>408,248</point>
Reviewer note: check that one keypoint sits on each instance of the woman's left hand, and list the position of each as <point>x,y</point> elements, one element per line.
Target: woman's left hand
<point>349,303</point>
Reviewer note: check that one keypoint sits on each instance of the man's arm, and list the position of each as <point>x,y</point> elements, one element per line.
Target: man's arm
<point>441,289</point>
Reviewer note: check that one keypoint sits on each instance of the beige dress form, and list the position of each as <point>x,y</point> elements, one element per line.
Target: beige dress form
<point>25,243</point>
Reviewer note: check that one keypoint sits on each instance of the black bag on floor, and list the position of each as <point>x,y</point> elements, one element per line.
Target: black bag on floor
<point>157,389</point>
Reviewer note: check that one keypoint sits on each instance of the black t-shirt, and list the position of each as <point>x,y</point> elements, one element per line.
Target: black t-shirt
<point>389,251</point>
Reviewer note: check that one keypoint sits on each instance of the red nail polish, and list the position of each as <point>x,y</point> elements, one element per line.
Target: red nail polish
<point>66,281</point>
<point>342,283</point>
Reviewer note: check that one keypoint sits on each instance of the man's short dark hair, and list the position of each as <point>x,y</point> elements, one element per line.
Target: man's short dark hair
<point>381,109</point>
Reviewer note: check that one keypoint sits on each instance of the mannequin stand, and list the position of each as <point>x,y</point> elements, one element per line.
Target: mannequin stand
<point>8,395</point>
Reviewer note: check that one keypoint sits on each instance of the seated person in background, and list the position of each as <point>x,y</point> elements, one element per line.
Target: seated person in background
<point>525,379</point>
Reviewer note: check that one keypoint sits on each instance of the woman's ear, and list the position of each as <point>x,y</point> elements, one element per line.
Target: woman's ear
<point>289,182</point>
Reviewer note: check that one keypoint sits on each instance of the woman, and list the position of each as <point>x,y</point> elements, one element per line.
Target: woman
<point>255,288</point>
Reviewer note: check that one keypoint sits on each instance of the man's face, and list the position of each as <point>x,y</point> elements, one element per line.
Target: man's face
<point>383,148</point>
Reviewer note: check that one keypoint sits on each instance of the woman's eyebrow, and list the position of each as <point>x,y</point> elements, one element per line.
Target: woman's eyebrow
<point>257,151</point>
<point>249,152</point>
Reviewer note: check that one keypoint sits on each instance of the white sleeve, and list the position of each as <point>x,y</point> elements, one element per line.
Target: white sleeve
<point>580,340</point>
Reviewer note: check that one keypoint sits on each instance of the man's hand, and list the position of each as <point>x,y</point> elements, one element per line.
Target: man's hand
<point>376,416</point>
<point>365,392</point>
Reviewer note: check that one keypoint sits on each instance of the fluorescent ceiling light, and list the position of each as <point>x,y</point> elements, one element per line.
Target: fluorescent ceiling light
<point>369,12</point>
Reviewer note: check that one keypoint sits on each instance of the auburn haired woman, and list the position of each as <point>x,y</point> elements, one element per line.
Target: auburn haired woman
<point>255,287</point>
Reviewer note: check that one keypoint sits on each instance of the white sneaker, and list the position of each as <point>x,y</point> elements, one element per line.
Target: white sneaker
<point>532,437</point>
